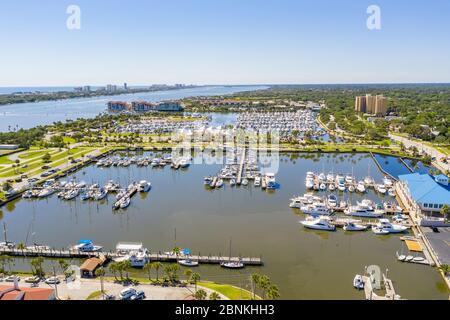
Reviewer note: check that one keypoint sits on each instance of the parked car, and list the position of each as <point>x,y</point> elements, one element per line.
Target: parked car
<point>24,166</point>
<point>34,279</point>
<point>12,278</point>
<point>24,176</point>
<point>45,174</point>
<point>52,280</point>
<point>140,295</point>
<point>45,167</point>
<point>31,180</point>
<point>126,294</point>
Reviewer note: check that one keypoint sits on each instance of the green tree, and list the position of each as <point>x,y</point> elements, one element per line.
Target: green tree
<point>148,267</point>
<point>273,293</point>
<point>214,296</point>
<point>445,210</point>
<point>36,266</point>
<point>264,284</point>
<point>157,265</point>
<point>200,294</point>
<point>113,268</point>
<point>46,158</point>
<point>255,283</point>
<point>100,272</point>
<point>195,277</point>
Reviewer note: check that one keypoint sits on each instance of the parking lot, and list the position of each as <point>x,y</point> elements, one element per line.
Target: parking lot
<point>440,242</point>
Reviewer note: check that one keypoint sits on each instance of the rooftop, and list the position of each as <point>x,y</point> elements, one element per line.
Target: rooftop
<point>424,188</point>
<point>10,293</point>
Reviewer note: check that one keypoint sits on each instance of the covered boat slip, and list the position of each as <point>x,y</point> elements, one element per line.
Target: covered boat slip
<point>129,246</point>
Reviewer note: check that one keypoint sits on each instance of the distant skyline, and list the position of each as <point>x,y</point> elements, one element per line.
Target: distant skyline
<point>226,42</point>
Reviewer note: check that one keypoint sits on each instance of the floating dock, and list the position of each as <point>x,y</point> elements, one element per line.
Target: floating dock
<point>70,253</point>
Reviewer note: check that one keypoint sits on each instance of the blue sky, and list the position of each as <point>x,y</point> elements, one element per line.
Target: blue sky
<point>223,42</point>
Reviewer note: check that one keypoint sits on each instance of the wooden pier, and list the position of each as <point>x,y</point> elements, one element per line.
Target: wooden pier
<point>162,257</point>
<point>241,167</point>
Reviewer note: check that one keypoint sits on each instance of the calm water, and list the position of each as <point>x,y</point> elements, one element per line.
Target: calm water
<point>28,115</point>
<point>395,167</point>
<point>305,264</point>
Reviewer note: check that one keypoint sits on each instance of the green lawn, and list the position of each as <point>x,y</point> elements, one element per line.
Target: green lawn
<point>232,292</point>
<point>32,154</point>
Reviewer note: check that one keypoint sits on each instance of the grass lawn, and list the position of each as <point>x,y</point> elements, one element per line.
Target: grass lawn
<point>94,295</point>
<point>32,154</point>
<point>69,140</point>
<point>5,160</point>
<point>232,292</point>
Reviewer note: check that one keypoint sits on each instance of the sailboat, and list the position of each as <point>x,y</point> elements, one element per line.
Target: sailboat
<point>232,264</point>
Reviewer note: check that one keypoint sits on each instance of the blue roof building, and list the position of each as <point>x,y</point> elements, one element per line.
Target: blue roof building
<point>428,192</point>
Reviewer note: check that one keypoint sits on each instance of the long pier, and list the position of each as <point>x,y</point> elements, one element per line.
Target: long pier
<point>162,257</point>
<point>241,167</point>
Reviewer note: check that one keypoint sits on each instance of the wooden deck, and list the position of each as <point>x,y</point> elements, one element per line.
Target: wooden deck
<point>69,253</point>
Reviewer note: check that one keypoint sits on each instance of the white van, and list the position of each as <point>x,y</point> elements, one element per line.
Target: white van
<point>126,294</point>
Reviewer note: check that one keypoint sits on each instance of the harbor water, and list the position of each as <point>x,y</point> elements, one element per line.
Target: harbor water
<point>305,264</point>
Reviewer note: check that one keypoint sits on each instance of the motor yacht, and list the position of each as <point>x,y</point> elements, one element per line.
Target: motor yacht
<point>321,223</point>
<point>386,225</point>
<point>387,182</point>
<point>232,265</point>
<point>332,201</point>
<point>244,182</point>
<point>144,186</point>
<point>270,180</point>
<point>316,209</point>
<point>257,182</point>
<point>358,282</point>
<point>309,183</point>
<point>100,194</point>
<point>86,246</point>
<point>125,202</point>
<point>360,187</point>
<point>353,226</point>
<point>381,188</point>
<point>219,183</point>
<point>188,263</point>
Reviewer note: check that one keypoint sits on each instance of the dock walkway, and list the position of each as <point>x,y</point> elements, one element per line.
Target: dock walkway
<point>162,257</point>
<point>241,166</point>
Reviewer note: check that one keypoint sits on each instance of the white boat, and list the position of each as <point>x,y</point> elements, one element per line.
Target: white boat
<point>388,182</point>
<point>331,187</point>
<point>46,192</point>
<point>379,231</point>
<point>270,180</point>
<point>321,223</point>
<point>330,177</point>
<point>332,201</point>
<point>323,187</point>
<point>386,225</point>
<point>409,258</point>
<point>322,177</point>
<point>309,183</point>
<point>244,182</point>
<point>207,180</point>
<point>368,181</point>
<point>144,186</point>
<point>86,246</point>
<point>257,182</point>
<point>188,263</point>
<point>391,192</point>
<point>351,188</point>
<point>353,226</point>
<point>232,265</point>
<point>100,194</point>
<point>135,253</point>
<point>219,183</point>
<point>360,187</point>
<point>381,188</point>
<point>27,194</point>
<point>233,182</point>
<point>72,194</point>
<point>184,163</point>
<point>341,186</point>
<point>349,179</point>
<point>316,209</point>
<point>363,211</point>
<point>125,202</point>
<point>358,282</point>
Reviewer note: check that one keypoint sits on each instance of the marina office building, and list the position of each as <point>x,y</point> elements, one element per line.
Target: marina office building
<point>425,196</point>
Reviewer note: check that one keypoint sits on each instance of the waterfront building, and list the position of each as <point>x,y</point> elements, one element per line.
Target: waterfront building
<point>142,106</point>
<point>89,266</point>
<point>169,106</point>
<point>111,88</point>
<point>423,194</point>
<point>118,106</point>
<point>87,89</point>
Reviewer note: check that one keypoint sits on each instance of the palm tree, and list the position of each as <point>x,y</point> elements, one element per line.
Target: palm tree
<point>195,277</point>
<point>273,292</point>
<point>21,246</point>
<point>63,264</point>
<point>445,210</point>
<point>177,250</point>
<point>445,268</point>
<point>100,272</point>
<point>214,296</point>
<point>157,265</point>
<point>200,294</point>
<point>148,267</point>
<point>36,266</point>
<point>113,268</point>
<point>188,274</point>
<point>126,265</point>
<point>264,284</point>
<point>255,283</point>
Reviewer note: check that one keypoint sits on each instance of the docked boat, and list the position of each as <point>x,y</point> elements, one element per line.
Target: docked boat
<point>232,265</point>
<point>184,163</point>
<point>386,225</point>
<point>332,201</point>
<point>323,186</point>
<point>363,210</point>
<point>207,180</point>
<point>316,210</point>
<point>379,231</point>
<point>135,253</point>
<point>381,188</point>
<point>100,194</point>
<point>353,226</point>
<point>368,181</point>
<point>125,202</point>
<point>309,183</point>
<point>360,187</point>
<point>188,263</point>
<point>27,194</point>
<point>270,180</point>
<point>219,183</point>
<point>331,187</point>
<point>321,223</point>
<point>257,182</point>
<point>351,188</point>
<point>144,186</point>
<point>86,246</point>
<point>391,192</point>
<point>388,183</point>
<point>46,192</point>
<point>233,182</point>
<point>358,282</point>
<point>72,194</point>
<point>244,182</point>
<point>341,186</point>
